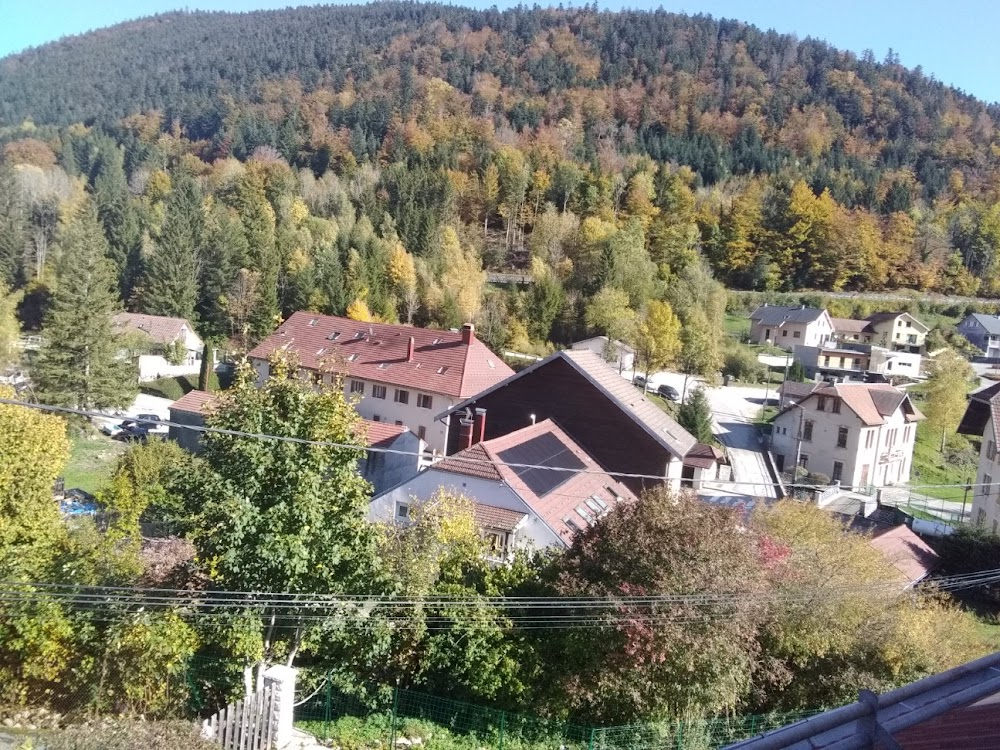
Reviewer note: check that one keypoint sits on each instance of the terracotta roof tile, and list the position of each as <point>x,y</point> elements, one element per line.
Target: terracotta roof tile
<point>194,402</point>
<point>872,402</point>
<point>501,519</point>
<point>563,501</point>
<point>378,434</point>
<point>161,329</point>
<point>703,456</point>
<point>377,352</point>
<point>905,551</point>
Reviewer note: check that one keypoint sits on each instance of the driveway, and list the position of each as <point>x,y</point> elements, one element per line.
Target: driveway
<point>734,410</point>
<point>143,404</point>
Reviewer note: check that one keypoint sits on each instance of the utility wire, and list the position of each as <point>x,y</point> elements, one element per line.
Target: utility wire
<point>471,461</point>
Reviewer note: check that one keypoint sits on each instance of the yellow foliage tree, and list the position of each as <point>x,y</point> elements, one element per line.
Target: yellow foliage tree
<point>358,310</point>
<point>462,276</point>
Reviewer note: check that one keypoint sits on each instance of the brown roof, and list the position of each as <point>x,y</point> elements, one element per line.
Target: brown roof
<point>161,329</point>
<point>703,456</point>
<point>849,325</point>
<point>501,519</point>
<point>377,352</point>
<point>905,551</point>
<point>793,390</point>
<point>982,404</point>
<point>378,434</point>
<point>194,402</point>
<point>563,507</point>
<point>872,402</point>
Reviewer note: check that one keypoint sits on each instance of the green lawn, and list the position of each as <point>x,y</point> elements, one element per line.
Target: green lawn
<point>91,461</point>
<point>737,325</point>
<point>956,465</point>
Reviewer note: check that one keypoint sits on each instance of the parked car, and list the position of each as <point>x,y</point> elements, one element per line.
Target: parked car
<point>115,429</point>
<point>668,392</point>
<point>639,381</point>
<point>142,427</point>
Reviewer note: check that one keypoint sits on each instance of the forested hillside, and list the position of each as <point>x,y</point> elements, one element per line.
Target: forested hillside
<point>375,159</point>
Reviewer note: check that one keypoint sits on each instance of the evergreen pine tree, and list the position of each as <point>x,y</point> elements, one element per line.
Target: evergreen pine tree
<point>13,228</point>
<point>119,219</point>
<point>172,270</point>
<point>258,220</point>
<point>78,364</point>
<point>695,415</point>
<point>224,252</point>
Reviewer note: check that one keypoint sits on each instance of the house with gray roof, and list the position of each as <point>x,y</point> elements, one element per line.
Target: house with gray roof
<point>983,332</point>
<point>789,327</point>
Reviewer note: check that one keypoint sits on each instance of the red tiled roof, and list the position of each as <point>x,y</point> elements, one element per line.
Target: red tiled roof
<point>966,728</point>
<point>378,434</point>
<point>906,552</point>
<point>161,329</point>
<point>378,352</point>
<point>194,402</point>
<point>501,519</point>
<point>557,504</point>
<point>703,456</point>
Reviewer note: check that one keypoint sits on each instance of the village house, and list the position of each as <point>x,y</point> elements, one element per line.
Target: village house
<point>849,361</point>
<point>395,454</point>
<point>394,373</point>
<point>983,332</point>
<point>173,347</point>
<point>981,421</point>
<point>608,417</point>
<point>531,489</point>
<point>856,434</point>
<point>789,327</point>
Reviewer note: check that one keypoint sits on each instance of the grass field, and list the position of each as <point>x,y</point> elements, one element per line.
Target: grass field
<point>91,462</point>
<point>737,325</point>
<point>956,465</point>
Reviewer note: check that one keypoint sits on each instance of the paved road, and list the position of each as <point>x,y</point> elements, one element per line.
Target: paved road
<point>734,409</point>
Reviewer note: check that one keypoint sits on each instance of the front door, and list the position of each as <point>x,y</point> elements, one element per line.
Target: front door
<point>864,475</point>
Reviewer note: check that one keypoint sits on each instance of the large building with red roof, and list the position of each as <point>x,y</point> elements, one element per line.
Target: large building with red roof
<point>532,489</point>
<point>396,374</point>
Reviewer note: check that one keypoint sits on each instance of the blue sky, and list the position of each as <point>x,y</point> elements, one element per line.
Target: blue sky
<point>956,42</point>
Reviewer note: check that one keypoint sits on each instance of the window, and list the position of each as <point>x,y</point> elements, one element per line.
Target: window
<point>842,434</point>
<point>495,541</point>
<point>797,335</point>
<point>784,334</point>
<point>987,486</point>
<point>991,451</point>
<point>402,510</point>
<point>980,517</point>
<point>838,471</point>
<point>807,430</point>
<point>994,526</point>
<point>378,391</point>
<point>826,360</point>
<point>399,423</point>
<point>357,386</point>
<point>821,403</point>
<point>869,438</point>
<point>803,460</point>
<point>376,418</point>
<point>402,397</point>
<point>422,432</point>
<point>424,401</point>
<point>835,406</point>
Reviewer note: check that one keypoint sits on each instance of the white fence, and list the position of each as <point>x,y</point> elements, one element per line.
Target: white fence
<point>246,724</point>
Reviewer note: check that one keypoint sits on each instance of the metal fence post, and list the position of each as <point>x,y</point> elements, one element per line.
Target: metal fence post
<point>503,726</point>
<point>395,707</point>
<point>590,743</point>
<point>326,707</point>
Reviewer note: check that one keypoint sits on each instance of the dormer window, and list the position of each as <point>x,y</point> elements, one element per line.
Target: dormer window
<point>352,358</point>
<point>333,336</point>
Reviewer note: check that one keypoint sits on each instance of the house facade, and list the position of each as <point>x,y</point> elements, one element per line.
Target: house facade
<point>981,421</point>
<point>898,332</point>
<point>176,349</point>
<point>603,413</point>
<point>857,434</point>
<point>983,332</point>
<point>852,361</point>
<point>553,490</point>
<point>396,374</point>
<point>789,327</point>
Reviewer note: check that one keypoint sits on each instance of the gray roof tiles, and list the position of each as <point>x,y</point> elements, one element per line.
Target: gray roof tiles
<point>773,315</point>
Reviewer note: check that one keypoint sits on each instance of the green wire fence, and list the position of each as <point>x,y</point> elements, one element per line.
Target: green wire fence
<point>399,718</point>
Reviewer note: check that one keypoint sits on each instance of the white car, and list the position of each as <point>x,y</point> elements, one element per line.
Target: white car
<point>114,428</point>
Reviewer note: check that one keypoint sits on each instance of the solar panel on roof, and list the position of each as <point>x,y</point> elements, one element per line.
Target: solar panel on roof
<point>544,450</point>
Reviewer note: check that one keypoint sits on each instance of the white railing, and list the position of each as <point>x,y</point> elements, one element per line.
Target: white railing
<point>247,724</point>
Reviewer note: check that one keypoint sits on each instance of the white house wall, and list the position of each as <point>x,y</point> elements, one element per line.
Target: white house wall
<point>985,496</point>
<point>388,410</point>
<point>533,533</point>
<point>822,450</point>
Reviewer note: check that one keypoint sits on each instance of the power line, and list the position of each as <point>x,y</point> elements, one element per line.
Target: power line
<point>471,461</point>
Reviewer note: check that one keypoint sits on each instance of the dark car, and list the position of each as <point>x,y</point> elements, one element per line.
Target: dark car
<point>639,381</point>
<point>668,392</point>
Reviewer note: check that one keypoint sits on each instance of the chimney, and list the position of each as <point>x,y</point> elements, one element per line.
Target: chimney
<point>464,433</point>
<point>468,333</point>
<point>532,416</point>
<point>409,350</point>
<point>479,426</point>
